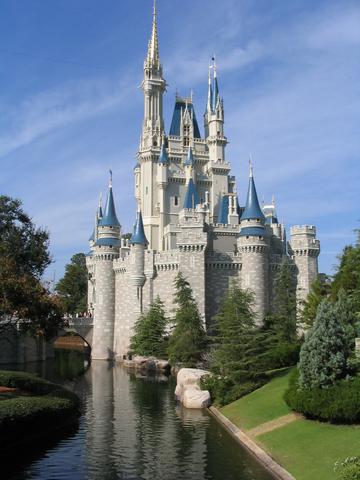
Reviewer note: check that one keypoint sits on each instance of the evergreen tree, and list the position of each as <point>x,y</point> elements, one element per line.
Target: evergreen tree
<point>325,352</point>
<point>149,337</point>
<point>320,289</point>
<point>188,341</point>
<point>347,276</point>
<point>238,343</point>
<point>283,316</point>
<point>72,288</point>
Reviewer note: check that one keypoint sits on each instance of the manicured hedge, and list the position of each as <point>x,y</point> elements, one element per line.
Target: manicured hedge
<point>337,404</point>
<point>45,407</point>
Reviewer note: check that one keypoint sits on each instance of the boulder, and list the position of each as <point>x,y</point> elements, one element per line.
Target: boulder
<point>188,390</point>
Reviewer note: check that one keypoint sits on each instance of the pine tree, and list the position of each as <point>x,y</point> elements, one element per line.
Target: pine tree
<point>239,344</point>
<point>320,289</point>
<point>188,341</point>
<point>149,337</point>
<point>283,316</point>
<point>325,352</point>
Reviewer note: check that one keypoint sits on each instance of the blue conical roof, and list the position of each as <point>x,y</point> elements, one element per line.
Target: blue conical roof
<point>92,237</point>
<point>190,157</point>
<point>191,197</point>
<point>252,207</point>
<point>163,158</point>
<point>224,210</point>
<point>109,218</point>
<point>138,237</point>
<point>214,94</point>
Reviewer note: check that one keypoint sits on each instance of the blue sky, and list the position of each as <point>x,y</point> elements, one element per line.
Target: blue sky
<point>70,106</point>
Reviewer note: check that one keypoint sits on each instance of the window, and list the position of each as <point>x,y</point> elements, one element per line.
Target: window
<point>146,190</point>
<point>186,130</point>
<point>176,201</point>
<point>186,141</point>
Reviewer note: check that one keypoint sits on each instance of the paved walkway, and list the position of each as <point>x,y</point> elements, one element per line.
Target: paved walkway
<point>273,424</point>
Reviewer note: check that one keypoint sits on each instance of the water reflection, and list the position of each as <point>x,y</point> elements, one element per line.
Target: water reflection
<point>133,429</point>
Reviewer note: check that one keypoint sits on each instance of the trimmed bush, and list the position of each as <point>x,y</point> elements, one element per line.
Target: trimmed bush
<point>339,403</point>
<point>348,469</point>
<point>44,407</point>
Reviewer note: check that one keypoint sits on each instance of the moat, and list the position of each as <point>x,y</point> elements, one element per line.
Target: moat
<point>131,428</point>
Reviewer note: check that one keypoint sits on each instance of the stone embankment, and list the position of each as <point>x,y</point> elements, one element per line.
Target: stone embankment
<point>147,364</point>
<point>188,390</point>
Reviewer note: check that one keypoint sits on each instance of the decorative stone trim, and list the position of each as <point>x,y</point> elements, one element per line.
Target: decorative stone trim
<point>223,266</point>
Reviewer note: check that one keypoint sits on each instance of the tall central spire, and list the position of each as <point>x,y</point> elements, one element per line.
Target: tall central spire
<point>153,49</point>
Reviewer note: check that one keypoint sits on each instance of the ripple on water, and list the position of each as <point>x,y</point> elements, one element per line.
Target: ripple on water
<point>133,429</point>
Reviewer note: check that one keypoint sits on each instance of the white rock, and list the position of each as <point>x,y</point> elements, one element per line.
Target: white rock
<point>195,398</point>
<point>188,390</point>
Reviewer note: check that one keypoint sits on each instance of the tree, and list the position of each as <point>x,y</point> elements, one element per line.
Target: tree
<point>237,350</point>
<point>149,337</point>
<point>347,276</point>
<point>283,316</point>
<point>72,288</point>
<point>21,241</point>
<point>325,352</point>
<point>319,289</point>
<point>188,341</point>
<point>24,255</point>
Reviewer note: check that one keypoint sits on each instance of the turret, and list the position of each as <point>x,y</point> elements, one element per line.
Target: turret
<point>106,249</point>
<point>304,249</point>
<point>153,87</point>
<point>138,242</point>
<point>214,120</point>
<point>189,165</point>
<point>253,245</point>
<point>191,197</point>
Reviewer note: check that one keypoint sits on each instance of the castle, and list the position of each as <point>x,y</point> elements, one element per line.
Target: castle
<point>189,220</point>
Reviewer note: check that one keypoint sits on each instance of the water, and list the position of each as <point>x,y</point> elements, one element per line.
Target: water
<point>131,429</point>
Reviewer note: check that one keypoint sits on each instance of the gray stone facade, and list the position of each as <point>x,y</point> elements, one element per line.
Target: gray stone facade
<point>191,222</point>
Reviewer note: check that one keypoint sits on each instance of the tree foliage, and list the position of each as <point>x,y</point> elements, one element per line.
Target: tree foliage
<point>188,340</point>
<point>240,348</point>
<point>282,319</point>
<point>72,288</point>
<point>319,289</point>
<point>149,337</point>
<point>24,255</point>
<point>326,350</point>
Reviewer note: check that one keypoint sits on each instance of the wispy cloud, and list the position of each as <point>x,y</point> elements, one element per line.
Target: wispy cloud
<point>40,114</point>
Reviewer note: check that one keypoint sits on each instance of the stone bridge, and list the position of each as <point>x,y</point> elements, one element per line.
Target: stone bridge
<point>83,326</point>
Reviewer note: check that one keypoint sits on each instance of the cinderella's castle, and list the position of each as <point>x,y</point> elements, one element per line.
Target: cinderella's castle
<point>188,220</point>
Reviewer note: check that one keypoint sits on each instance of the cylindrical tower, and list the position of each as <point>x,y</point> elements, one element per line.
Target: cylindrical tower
<point>106,249</point>
<point>305,249</point>
<point>138,243</point>
<point>253,244</point>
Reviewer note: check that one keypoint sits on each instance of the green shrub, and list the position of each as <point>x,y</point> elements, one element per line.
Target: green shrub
<point>224,391</point>
<point>44,407</point>
<point>283,355</point>
<point>339,403</point>
<point>348,469</point>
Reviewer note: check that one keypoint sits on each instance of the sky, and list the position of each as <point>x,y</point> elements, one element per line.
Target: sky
<point>71,107</point>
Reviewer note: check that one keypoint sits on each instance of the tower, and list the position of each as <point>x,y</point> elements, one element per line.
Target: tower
<point>106,250</point>
<point>216,141</point>
<point>153,86</point>
<point>305,249</point>
<point>162,182</point>
<point>253,245</point>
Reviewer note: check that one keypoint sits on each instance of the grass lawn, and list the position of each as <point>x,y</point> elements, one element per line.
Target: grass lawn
<point>307,449</point>
<point>260,406</point>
